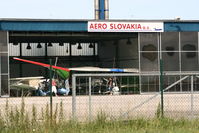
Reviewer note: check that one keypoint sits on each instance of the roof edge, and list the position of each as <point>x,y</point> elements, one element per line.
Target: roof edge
<point>85,20</point>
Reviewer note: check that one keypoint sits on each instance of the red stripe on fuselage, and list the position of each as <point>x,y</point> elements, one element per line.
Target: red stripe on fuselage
<point>42,64</point>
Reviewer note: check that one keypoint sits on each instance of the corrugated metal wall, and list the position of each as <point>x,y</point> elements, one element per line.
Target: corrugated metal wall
<point>14,50</point>
<point>57,50</point>
<point>54,50</point>
<point>85,51</point>
<point>34,51</point>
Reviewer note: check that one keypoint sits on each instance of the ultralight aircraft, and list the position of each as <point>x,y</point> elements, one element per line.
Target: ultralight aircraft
<point>64,73</point>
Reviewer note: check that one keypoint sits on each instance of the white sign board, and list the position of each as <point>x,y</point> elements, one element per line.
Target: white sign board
<point>100,26</point>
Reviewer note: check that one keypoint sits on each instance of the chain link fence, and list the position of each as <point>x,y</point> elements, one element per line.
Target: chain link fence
<point>138,95</point>
<point>129,96</point>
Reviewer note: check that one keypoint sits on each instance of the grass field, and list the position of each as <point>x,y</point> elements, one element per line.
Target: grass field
<point>17,120</point>
<point>102,126</point>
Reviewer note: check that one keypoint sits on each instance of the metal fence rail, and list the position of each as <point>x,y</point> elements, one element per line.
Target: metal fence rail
<point>180,93</point>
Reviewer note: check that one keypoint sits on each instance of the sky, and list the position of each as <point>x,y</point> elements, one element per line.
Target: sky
<point>84,9</point>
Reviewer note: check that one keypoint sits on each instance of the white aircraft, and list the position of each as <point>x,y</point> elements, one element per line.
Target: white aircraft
<point>24,86</point>
<point>64,73</point>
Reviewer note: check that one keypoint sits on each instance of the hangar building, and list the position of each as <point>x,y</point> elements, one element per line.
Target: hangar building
<point>104,43</point>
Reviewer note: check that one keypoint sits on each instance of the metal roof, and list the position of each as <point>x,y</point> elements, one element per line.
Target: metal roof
<point>77,25</point>
<point>85,20</point>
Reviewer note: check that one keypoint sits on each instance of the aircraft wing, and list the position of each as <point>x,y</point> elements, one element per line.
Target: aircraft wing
<point>42,64</point>
<point>64,72</point>
<point>22,86</point>
<point>26,78</point>
<point>25,83</point>
<point>97,69</point>
<point>21,89</point>
<point>61,71</point>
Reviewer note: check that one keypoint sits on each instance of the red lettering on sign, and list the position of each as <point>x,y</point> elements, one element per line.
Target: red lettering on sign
<point>91,26</point>
<point>111,26</point>
<point>98,26</point>
<point>125,26</point>
<point>132,26</point>
<point>139,26</point>
<point>118,26</point>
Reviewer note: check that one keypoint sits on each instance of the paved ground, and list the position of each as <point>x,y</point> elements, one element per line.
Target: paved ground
<point>124,106</point>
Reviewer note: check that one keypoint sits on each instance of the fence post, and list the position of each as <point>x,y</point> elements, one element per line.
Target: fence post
<point>90,114</point>
<point>51,100</point>
<point>192,96</point>
<point>162,87</point>
<point>74,97</point>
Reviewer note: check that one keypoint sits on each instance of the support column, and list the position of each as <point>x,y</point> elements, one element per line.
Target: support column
<point>4,64</point>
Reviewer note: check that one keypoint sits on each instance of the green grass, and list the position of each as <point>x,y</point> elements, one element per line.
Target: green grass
<point>99,126</point>
<point>16,120</point>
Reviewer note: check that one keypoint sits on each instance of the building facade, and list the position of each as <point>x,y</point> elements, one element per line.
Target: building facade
<point>108,43</point>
